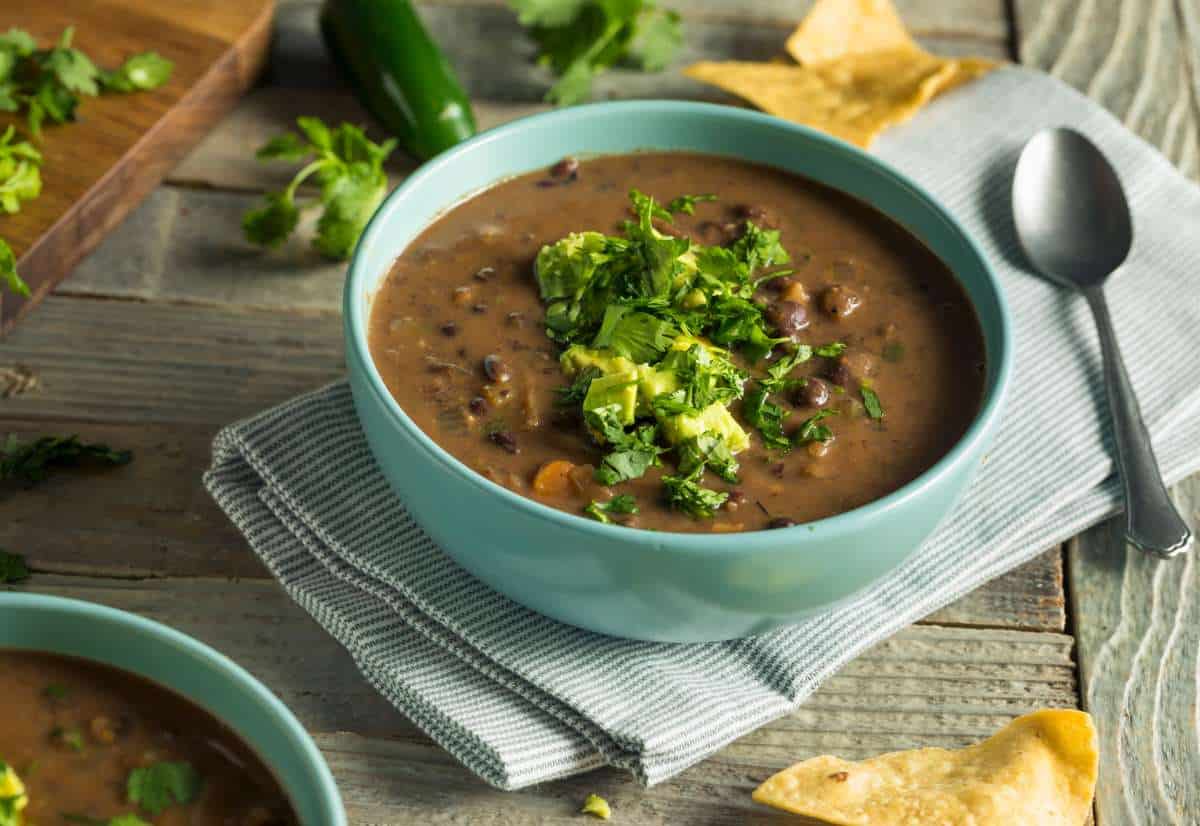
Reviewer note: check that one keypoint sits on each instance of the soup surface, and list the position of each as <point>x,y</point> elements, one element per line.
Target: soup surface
<point>95,745</point>
<point>499,339</point>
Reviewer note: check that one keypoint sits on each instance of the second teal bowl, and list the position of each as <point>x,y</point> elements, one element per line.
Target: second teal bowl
<point>647,584</point>
<point>189,668</point>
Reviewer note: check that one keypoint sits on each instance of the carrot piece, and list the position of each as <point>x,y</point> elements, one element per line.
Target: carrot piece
<point>553,478</point>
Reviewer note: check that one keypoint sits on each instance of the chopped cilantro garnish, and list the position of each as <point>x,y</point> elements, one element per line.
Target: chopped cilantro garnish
<point>575,392</point>
<point>687,203</point>
<point>633,452</point>
<point>871,402</point>
<point>767,416</point>
<point>811,429</point>
<point>160,785</point>
<point>685,494</point>
<point>12,567</point>
<point>622,503</point>
<point>72,738</point>
<point>707,450</point>
<point>55,691</point>
<point>831,350</point>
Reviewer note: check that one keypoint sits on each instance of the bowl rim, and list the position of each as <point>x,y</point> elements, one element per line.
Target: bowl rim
<point>359,279</point>
<point>332,811</point>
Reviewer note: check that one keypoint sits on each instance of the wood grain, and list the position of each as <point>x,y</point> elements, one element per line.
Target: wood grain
<point>1138,59</point>
<point>926,686</point>
<point>1138,625</point>
<point>96,170</point>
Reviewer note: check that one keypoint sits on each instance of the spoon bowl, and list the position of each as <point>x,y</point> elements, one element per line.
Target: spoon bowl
<point>1070,210</point>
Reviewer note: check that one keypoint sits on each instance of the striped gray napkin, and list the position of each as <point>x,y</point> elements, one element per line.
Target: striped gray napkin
<point>521,699</point>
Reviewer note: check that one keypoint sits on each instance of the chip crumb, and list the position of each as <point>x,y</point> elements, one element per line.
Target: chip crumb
<point>596,805</point>
<point>17,380</point>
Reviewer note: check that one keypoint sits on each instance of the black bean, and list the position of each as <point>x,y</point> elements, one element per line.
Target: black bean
<point>777,470</point>
<point>478,405</point>
<point>479,309</point>
<point>737,498</point>
<point>840,301</point>
<point>839,374</point>
<point>566,168</point>
<point>787,317</point>
<point>813,393</point>
<point>449,329</point>
<point>505,439</point>
<point>515,319</point>
<point>496,368</point>
<point>781,522</point>
<point>757,214</point>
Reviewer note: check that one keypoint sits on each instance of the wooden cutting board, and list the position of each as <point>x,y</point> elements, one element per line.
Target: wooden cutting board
<point>97,169</point>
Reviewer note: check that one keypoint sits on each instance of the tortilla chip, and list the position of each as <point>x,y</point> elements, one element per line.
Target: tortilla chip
<point>1040,768</point>
<point>966,69</point>
<point>835,29</point>
<point>853,99</point>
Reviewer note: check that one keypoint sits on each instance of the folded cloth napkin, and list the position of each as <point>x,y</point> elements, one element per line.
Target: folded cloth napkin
<point>520,698</point>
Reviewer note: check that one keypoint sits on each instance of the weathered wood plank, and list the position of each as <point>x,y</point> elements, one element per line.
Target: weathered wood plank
<point>1137,59</point>
<point>129,362</point>
<point>494,58</point>
<point>161,379</point>
<point>1137,620</point>
<point>927,686</point>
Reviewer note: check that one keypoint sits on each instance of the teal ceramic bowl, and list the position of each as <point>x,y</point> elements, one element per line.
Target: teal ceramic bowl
<point>648,584</point>
<point>190,668</point>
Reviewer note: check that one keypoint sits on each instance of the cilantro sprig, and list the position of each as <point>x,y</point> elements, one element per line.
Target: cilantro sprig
<point>346,164</point>
<point>578,39</point>
<point>871,402</point>
<point>32,462</point>
<point>47,84</point>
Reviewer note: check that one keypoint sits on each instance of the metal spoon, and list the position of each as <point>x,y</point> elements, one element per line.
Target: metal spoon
<point>1074,225</point>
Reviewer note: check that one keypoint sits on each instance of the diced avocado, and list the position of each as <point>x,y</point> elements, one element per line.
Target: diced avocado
<point>653,383</point>
<point>577,357</point>
<point>618,388</point>
<point>565,267</point>
<point>12,791</point>
<point>715,418</point>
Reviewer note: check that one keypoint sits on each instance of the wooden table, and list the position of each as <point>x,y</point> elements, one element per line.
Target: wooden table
<point>174,327</point>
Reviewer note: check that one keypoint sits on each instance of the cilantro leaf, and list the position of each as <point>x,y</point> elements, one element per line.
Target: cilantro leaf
<point>758,247</point>
<point>12,567</point>
<point>20,176</point>
<point>349,168</point>
<point>8,271</point>
<point>622,503</point>
<point>639,336</point>
<point>687,495</point>
<point>707,450</point>
<point>577,39</point>
<point>575,392</point>
<point>687,203</point>
<point>160,785</point>
<point>142,72</point>
<point>871,402</point>
<point>632,454</point>
<point>31,462</point>
<point>767,416</point>
<point>831,350</point>
<point>811,429</point>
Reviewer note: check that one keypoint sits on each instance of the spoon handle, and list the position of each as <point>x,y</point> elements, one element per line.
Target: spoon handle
<point>1152,522</point>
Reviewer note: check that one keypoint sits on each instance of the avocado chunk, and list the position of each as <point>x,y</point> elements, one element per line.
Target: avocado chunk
<point>577,357</point>
<point>653,383</point>
<point>620,389</point>
<point>715,419</point>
